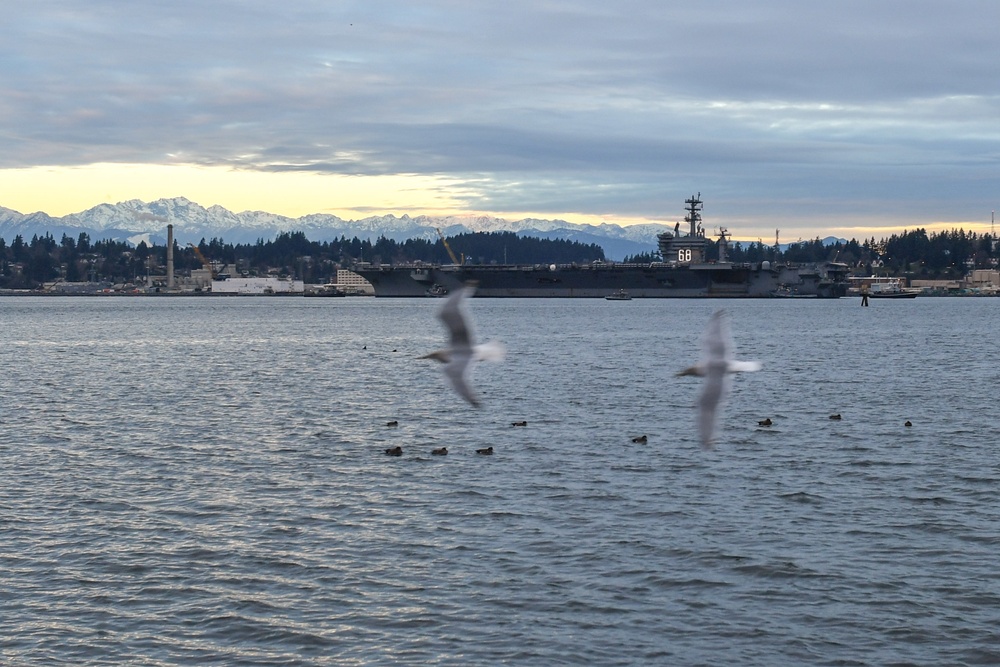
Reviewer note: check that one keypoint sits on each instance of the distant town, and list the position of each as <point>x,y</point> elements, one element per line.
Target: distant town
<point>953,262</point>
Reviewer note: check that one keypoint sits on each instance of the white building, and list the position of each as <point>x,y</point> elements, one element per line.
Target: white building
<point>201,278</point>
<point>984,279</point>
<point>258,286</point>
<point>350,282</point>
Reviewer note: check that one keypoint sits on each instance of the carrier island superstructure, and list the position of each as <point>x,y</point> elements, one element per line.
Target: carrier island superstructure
<point>685,271</point>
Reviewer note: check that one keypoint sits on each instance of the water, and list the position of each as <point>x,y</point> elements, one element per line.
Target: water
<point>202,481</point>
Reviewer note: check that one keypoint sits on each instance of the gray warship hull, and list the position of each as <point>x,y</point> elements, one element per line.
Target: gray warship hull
<point>685,272</point>
<point>598,281</point>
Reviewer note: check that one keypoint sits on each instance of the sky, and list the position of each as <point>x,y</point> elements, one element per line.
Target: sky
<point>849,118</point>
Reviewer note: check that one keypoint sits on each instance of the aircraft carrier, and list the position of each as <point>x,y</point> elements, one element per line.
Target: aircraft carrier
<point>685,272</point>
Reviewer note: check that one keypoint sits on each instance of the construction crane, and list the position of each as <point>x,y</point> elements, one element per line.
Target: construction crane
<point>201,258</point>
<point>454,260</point>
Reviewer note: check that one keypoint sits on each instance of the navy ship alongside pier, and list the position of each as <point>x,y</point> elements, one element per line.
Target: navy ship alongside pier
<point>684,272</point>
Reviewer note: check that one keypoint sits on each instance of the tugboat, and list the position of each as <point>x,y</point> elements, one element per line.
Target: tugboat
<point>786,292</point>
<point>620,295</point>
<point>436,290</point>
<point>876,287</point>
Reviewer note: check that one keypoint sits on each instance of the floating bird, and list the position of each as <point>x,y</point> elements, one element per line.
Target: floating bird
<point>765,422</point>
<point>519,423</point>
<point>835,417</point>
<point>456,359</point>
<point>487,452</point>
<point>394,451</point>
<point>907,423</point>
<point>440,451</point>
<point>715,366</point>
<point>392,423</point>
<point>640,439</point>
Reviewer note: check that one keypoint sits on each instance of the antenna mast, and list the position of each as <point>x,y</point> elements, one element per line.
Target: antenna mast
<point>693,217</point>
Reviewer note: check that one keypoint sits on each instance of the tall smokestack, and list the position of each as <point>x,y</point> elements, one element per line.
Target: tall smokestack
<point>170,256</point>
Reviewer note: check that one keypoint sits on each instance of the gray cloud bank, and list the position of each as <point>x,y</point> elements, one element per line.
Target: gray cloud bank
<point>773,108</point>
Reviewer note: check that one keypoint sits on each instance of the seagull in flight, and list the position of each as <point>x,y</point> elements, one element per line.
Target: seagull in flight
<point>715,366</point>
<point>462,352</point>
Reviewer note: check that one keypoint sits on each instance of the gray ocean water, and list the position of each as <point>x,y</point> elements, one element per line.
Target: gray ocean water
<point>203,481</point>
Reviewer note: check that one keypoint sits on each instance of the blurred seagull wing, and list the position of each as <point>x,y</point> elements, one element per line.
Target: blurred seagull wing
<point>743,366</point>
<point>717,342</point>
<point>454,319</point>
<point>490,351</point>
<point>712,393</point>
<point>457,371</point>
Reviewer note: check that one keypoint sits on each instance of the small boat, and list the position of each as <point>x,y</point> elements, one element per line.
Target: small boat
<point>884,288</point>
<point>786,292</point>
<point>620,295</point>
<point>436,291</point>
<point>324,291</point>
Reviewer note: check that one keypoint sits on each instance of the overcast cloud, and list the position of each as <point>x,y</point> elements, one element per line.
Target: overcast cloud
<point>770,108</point>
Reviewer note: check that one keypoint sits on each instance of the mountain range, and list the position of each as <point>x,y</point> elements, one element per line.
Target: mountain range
<point>135,221</point>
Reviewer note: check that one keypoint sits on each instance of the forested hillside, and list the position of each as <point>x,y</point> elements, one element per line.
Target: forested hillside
<point>26,265</point>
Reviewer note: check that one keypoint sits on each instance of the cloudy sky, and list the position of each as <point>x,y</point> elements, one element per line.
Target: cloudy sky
<point>848,118</point>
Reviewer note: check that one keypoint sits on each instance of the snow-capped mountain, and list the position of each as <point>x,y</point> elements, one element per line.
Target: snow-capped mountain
<point>136,221</point>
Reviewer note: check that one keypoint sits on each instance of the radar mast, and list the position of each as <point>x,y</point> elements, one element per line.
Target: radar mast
<point>693,218</point>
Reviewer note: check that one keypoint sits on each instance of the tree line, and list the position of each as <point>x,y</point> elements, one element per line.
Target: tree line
<point>917,254</point>
<point>29,264</point>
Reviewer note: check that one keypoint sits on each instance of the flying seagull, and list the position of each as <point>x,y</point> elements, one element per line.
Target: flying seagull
<point>462,352</point>
<point>715,366</point>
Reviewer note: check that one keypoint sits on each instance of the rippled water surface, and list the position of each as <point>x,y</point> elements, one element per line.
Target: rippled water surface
<point>203,481</point>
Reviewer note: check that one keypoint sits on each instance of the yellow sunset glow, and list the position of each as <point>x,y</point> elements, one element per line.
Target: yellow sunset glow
<point>60,191</point>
